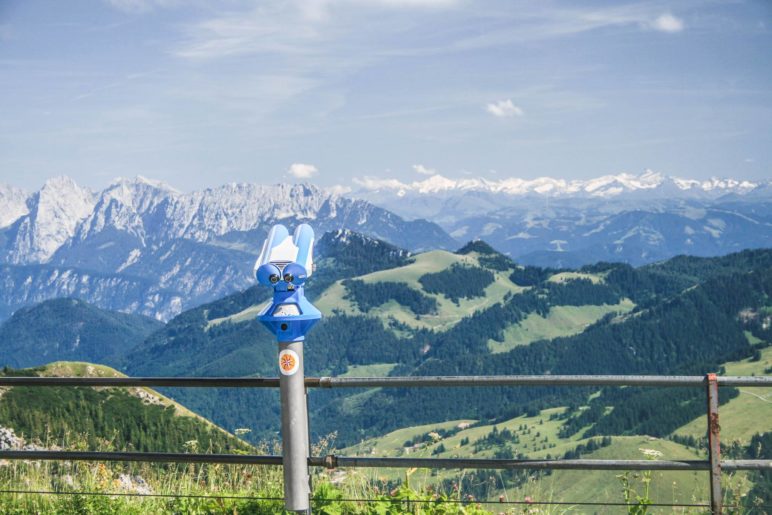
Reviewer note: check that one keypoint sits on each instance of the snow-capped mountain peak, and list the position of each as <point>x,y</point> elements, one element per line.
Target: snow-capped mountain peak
<point>54,213</point>
<point>13,204</point>
<point>606,186</point>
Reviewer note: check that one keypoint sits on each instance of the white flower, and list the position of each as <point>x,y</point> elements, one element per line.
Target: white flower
<point>651,453</point>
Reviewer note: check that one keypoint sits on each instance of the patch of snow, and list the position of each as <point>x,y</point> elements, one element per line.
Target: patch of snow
<point>132,258</point>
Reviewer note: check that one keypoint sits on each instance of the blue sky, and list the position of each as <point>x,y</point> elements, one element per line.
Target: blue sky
<point>198,93</point>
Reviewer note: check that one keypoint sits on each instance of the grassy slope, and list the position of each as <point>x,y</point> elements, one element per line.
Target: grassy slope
<point>429,262</point>
<point>374,370</point>
<point>563,321</point>
<point>560,321</point>
<point>743,416</point>
<point>570,276</point>
<point>392,444</point>
<point>148,395</point>
<point>580,486</point>
<point>604,486</point>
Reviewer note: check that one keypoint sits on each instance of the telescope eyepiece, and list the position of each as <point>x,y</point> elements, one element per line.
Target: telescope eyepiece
<point>288,278</point>
<point>268,274</point>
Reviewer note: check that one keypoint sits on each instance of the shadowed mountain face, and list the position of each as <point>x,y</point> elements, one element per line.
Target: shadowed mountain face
<point>70,329</point>
<point>142,247</point>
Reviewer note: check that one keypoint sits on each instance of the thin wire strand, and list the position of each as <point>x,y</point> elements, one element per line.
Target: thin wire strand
<point>387,500</point>
<point>137,494</point>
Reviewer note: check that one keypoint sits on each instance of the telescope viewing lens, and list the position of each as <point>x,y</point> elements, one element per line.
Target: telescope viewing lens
<point>273,278</point>
<point>288,278</point>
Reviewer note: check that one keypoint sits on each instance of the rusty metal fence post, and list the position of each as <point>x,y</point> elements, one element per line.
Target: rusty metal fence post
<point>714,445</point>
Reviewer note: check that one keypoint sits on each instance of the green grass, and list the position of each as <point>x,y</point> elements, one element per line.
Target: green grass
<point>448,313</point>
<point>425,263</point>
<point>392,444</point>
<point>753,340</point>
<point>580,486</point>
<point>604,486</point>
<point>244,315</point>
<point>560,321</point>
<point>570,276</point>
<point>373,370</point>
<point>745,415</point>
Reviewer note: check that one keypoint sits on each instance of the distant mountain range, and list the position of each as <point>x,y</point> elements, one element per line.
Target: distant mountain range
<point>648,184</point>
<point>140,246</point>
<point>636,219</point>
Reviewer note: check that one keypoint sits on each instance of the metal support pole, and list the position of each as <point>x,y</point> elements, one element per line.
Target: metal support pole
<point>294,428</point>
<point>714,445</point>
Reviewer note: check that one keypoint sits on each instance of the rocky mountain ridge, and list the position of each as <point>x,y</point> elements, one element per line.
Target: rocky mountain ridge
<point>162,250</point>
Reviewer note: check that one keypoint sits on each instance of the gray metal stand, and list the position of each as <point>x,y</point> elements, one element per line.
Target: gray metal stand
<point>294,429</point>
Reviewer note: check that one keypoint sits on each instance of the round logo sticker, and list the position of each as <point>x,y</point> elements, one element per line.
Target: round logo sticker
<point>288,362</point>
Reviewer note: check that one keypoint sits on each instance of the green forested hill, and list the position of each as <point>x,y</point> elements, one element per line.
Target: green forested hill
<point>70,329</point>
<point>693,332</point>
<point>123,418</point>
<point>679,316</point>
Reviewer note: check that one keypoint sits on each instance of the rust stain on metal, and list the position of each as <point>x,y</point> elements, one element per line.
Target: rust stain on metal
<point>330,461</point>
<point>715,428</point>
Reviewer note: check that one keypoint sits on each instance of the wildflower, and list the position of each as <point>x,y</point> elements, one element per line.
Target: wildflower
<point>652,454</point>
<point>528,499</point>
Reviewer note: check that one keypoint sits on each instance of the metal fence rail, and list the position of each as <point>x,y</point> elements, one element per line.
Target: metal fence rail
<point>711,382</point>
<point>332,461</point>
<point>393,382</point>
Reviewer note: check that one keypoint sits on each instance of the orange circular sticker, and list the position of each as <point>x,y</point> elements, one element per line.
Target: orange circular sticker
<point>288,362</point>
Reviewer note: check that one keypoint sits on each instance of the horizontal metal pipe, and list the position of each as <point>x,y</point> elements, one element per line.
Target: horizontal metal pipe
<point>332,461</point>
<point>537,380</point>
<point>732,465</point>
<point>476,463</point>
<point>402,382</point>
<point>762,381</point>
<point>185,382</point>
<point>150,457</point>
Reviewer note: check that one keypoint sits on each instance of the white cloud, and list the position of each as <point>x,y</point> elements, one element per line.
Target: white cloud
<point>296,28</point>
<point>424,170</point>
<point>302,170</point>
<point>375,183</point>
<point>504,109</point>
<point>668,23</point>
<point>338,189</point>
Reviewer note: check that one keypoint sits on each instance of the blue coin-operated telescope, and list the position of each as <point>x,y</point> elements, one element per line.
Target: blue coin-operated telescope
<point>284,264</point>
